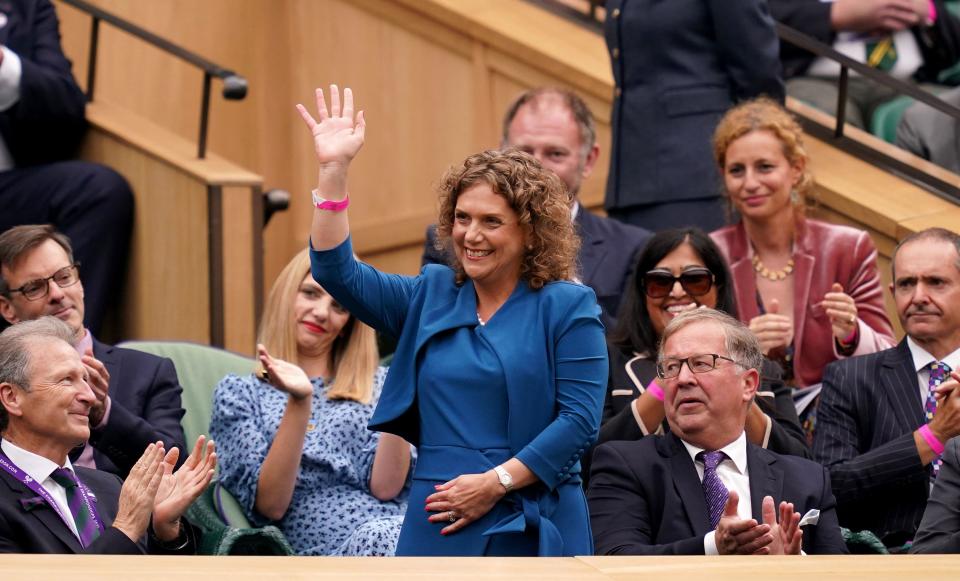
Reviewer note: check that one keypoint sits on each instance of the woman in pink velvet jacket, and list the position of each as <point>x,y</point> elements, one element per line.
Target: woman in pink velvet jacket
<point>808,289</point>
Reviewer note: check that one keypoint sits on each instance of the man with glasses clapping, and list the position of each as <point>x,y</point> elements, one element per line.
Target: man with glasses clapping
<point>137,394</point>
<point>704,488</point>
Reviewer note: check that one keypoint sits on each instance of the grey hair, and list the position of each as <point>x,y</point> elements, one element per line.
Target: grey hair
<point>940,234</point>
<point>15,343</point>
<point>742,346</point>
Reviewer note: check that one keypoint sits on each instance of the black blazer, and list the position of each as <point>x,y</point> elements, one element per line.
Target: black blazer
<point>646,498</point>
<point>939,530</point>
<point>939,44</point>
<point>678,66</point>
<point>47,122</point>
<point>36,528</point>
<point>869,409</point>
<point>145,407</point>
<point>629,373</point>
<point>608,252</point>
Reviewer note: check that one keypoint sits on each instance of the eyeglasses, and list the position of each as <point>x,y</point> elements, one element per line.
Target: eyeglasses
<point>39,288</point>
<point>670,368</point>
<point>657,284</point>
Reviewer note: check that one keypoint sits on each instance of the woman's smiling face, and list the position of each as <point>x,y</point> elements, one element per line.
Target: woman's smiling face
<point>663,310</point>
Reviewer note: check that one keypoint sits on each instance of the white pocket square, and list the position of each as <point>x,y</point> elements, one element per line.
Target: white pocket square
<point>811,518</point>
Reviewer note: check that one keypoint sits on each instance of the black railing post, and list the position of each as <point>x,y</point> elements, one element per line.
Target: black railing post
<point>92,57</point>
<point>204,117</point>
<point>842,101</point>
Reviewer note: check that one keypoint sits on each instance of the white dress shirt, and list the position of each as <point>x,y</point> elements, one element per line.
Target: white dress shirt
<point>40,469</point>
<point>922,359</point>
<point>733,473</point>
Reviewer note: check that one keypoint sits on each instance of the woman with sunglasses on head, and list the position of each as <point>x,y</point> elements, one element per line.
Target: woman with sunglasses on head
<point>809,290</point>
<point>680,270</point>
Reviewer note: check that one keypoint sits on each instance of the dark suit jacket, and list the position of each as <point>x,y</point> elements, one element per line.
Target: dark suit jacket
<point>608,252</point>
<point>939,45</point>
<point>629,373</point>
<point>646,498</point>
<point>939,530</point>
<point>40,530</point>
<point>678,66</point>
<point>869,409</point>
<point>145,407</point>
<point>51,103</point>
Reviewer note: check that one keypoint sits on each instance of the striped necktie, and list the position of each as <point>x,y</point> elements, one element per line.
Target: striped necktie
<point>882,54</point>
<point>939,372</point>
<point>714,492</point>
<point>86,527</point>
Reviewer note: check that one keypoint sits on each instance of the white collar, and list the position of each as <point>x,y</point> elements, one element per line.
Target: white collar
<point>736,451</point>
<point>574,210</point>
<point>922,358</point>
<point>36,466</point>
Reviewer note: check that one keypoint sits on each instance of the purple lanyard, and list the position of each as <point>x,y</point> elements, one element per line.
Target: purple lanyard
<point>7,464</point>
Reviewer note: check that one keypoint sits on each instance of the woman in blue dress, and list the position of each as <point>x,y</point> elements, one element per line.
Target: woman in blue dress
<point>293,442</point>
<point>500,368</point>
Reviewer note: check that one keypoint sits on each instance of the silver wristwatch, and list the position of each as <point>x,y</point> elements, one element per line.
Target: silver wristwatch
<point>505,479</point>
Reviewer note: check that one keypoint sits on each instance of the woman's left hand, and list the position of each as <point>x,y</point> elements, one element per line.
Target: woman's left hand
<point>464,499</point>
<point>842,311</point>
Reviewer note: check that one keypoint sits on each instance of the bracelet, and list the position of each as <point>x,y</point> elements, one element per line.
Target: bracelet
<point>932,14</point>
<point>935,444</point>
<point>330,205</point>
<point>654,389</point>
<point>848,340</point>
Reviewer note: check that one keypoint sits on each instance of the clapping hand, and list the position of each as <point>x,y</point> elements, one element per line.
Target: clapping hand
<point>842,310</point>
<point>286,377</point>
<point>139,492</point>
<point>772,329</point>
<point>178,489</point>
<point>737,536</point>
<point>787,534</point>
<point>98,378</point>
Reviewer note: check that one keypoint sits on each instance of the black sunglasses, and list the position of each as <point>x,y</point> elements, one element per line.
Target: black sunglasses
<point>657,284</point>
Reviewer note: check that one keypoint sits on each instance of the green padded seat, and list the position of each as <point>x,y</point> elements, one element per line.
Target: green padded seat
<point>886,117</point>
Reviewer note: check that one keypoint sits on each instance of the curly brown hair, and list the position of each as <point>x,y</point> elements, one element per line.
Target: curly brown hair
<point>539,199</point>
<point>764,114</point>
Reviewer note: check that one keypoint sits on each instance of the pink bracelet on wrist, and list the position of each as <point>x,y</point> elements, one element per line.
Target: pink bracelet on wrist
<point>848,340</point>
<point>654,389</point>
<point>931,440</point>
<point>932,14</point>
<point>330,205</point>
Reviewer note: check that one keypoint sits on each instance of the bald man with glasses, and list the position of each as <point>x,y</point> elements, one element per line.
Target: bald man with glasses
<point>703,488</point>
<point>137,394</point>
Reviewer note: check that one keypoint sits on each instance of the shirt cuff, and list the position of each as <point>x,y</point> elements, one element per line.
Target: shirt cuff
<point>766,431</point>
<point>106,416</point>
<point>636,416</point>
<point>710,544</point>
<point>11,69</point>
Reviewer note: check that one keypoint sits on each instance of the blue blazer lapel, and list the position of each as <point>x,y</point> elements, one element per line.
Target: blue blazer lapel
<point>686,481</point>
<point>765,479</point>
<point>899,384</point>
<point>42,512</point>
<point>462,311</point>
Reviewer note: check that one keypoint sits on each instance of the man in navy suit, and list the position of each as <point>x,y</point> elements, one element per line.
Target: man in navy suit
<point>137,394</point>
<point>41,125</point>
<point>880,430</point>
<point>556,127</point>
<point>49,505</point>
<point>703,489</point>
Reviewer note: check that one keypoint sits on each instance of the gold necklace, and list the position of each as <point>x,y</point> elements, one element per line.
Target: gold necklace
<point>773,275</point>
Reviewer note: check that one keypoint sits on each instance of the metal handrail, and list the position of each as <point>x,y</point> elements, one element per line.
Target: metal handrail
<point>234,85</point>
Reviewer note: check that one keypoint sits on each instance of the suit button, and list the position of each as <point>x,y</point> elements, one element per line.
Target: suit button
<point>615,53</point>
<point>615,13</point>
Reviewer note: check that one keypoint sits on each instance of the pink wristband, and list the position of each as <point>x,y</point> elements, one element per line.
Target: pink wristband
<point>931,440</point>
<point>848,340</point>
<point>329,205</point>
<point>933,12</point>
<point>655,390</point>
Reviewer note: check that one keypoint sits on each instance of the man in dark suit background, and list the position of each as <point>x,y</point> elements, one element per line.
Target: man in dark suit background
<point>879,429</point>
<point>939,530</point>
<point>556,127</point>
<point>137,394</point>
<point>703,489</point>
<point>48,505</point>
<point>41,125</point>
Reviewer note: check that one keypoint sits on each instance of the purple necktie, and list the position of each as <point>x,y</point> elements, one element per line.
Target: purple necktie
<point>939,372</point>
<point>86,527</point>
<point>714,492</point>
